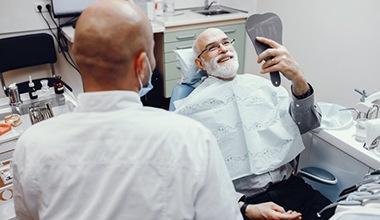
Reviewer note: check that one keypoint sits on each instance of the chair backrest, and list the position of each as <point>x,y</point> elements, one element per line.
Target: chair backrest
<point>180,91</point>
<point>26,51</point>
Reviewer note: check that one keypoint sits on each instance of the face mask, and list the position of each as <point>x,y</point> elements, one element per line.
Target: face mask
<point>144,90</point>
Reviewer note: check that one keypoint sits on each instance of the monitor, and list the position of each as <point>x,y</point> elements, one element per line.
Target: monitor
<point>69,8</point>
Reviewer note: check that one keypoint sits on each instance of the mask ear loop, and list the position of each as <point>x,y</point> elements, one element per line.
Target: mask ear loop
<point>149,67</point>
<point>150,72</point>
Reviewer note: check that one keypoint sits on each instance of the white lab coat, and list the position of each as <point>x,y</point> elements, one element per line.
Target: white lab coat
<point>115,159</point>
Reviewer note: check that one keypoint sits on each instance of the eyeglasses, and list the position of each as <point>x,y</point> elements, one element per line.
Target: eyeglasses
<point>216,45</point>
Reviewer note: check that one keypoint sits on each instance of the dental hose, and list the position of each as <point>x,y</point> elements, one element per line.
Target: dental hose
<point>335,204</point>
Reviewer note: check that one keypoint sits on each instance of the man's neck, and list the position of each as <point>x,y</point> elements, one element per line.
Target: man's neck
<point>224,79</point>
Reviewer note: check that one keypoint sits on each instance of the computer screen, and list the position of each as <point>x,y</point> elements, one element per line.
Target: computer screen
<point>68,8</point>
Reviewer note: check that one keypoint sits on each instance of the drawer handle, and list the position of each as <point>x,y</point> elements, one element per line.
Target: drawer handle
<point>183,47</point>
<point>178,67</point>
<point>184,37</point>
<point>228,31</point>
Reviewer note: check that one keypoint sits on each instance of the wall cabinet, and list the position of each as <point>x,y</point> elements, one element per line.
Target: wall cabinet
<point>182,39</point>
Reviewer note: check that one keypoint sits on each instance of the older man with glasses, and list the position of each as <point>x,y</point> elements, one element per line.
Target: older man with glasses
<point>258,126</point>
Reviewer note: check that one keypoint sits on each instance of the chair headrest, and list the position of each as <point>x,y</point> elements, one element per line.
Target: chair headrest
<point>190,73</point>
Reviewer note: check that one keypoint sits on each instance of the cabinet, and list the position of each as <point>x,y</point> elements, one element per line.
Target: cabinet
<point>182,39</point>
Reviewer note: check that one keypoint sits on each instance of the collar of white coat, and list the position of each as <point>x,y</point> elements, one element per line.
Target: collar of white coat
<point>107,101</point>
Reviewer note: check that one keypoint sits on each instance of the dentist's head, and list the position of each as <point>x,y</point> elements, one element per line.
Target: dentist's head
<point>216,54</point>
<point>113,46</point>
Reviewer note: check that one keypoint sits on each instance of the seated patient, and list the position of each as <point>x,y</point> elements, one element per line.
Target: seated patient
<point>258,126</point>
<point>113,158</point>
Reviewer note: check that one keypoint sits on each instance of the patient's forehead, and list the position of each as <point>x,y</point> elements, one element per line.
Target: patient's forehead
<point>209,36</point>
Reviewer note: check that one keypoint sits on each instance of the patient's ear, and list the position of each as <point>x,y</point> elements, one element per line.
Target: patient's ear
<point>199,64</point>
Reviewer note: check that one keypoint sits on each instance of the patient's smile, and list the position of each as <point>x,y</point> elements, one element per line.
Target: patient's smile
<point>225,58</point>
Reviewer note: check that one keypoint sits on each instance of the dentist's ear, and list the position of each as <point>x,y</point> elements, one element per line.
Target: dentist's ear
<point>199,64</point>
<point>140,65</point>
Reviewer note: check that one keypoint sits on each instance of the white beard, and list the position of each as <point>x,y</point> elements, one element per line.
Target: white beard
<point>224,70</point>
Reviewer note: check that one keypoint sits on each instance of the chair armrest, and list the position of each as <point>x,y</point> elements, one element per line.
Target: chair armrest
<point>318,174</point>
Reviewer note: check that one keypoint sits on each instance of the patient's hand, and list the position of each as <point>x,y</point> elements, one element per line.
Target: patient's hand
<point>270,210</point>
<point>282,61</point>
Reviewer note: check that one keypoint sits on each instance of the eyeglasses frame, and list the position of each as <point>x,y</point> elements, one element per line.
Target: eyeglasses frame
<point>232,41</point>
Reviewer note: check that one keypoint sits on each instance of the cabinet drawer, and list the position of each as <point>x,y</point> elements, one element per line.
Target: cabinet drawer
<point>170,57</point>
<point>172,71</point>
<point>186,35</point>
<point>169,47</point>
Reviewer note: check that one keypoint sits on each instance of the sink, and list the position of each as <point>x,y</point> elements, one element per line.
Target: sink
<point>333,117</point>
<point>214,10</point>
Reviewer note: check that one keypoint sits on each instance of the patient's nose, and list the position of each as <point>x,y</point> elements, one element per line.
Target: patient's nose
<point>222,48</point>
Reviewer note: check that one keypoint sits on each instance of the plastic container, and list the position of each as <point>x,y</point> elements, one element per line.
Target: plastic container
<point>361,131</point>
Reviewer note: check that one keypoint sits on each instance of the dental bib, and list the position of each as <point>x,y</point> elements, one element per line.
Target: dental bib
<point>249,114</point>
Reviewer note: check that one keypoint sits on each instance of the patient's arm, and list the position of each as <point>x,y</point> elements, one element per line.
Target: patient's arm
<point>270,210</point>
<point>305,111</point>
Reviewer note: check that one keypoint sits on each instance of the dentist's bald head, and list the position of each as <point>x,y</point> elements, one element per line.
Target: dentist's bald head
<point>110,38</point>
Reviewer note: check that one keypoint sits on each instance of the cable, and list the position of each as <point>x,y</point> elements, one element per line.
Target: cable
<point>62,44</point>
<point>42,15</point>
<point>48,7</point>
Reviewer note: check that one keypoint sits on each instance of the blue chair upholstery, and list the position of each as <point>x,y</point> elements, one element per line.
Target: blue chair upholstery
<point>179,91</point>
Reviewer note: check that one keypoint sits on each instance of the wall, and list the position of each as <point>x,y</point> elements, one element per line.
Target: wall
<point>19,17</point>
<point>335,42</point>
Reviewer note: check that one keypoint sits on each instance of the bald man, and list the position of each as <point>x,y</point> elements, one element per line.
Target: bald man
<point>113,158</point>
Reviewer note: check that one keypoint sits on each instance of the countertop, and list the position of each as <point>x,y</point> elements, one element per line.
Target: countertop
<point>69,31</point>
<point>344,140</point>
<point>184,17</point>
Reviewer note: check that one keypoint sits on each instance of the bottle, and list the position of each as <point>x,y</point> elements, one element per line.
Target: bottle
<point>158,7</point>
<point>58,85</point>
<point>32,89</point>
<point>150,9</point>
<point>44,89</point>
<point>169,7</point>
<point>14,95</point>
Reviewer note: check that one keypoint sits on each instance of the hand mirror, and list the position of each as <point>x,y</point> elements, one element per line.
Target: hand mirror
<point>266,25</point>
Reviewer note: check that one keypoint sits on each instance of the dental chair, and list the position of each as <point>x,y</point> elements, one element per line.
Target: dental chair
<point>27,51</point>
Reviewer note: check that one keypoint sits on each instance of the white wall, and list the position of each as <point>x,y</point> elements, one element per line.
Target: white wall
<point>336,42</point>
<point>19,17</point>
